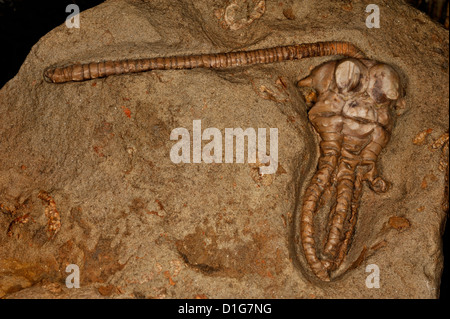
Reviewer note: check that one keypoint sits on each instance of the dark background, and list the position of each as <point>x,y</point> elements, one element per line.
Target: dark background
<point>24,22</point>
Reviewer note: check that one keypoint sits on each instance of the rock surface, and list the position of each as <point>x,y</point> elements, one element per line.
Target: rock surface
<point>140,226</point>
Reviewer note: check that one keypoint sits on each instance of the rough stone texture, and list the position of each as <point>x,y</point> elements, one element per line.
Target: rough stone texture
<point>141,226</point>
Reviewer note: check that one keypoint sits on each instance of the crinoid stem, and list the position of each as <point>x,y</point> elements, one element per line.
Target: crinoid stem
<point>93,70</point>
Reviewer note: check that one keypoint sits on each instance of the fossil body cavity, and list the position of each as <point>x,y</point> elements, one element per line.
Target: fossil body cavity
<point>360,110</point>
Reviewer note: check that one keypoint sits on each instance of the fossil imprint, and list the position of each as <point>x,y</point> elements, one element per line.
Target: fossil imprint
<point>354,116</point>
<point>352,113</point>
